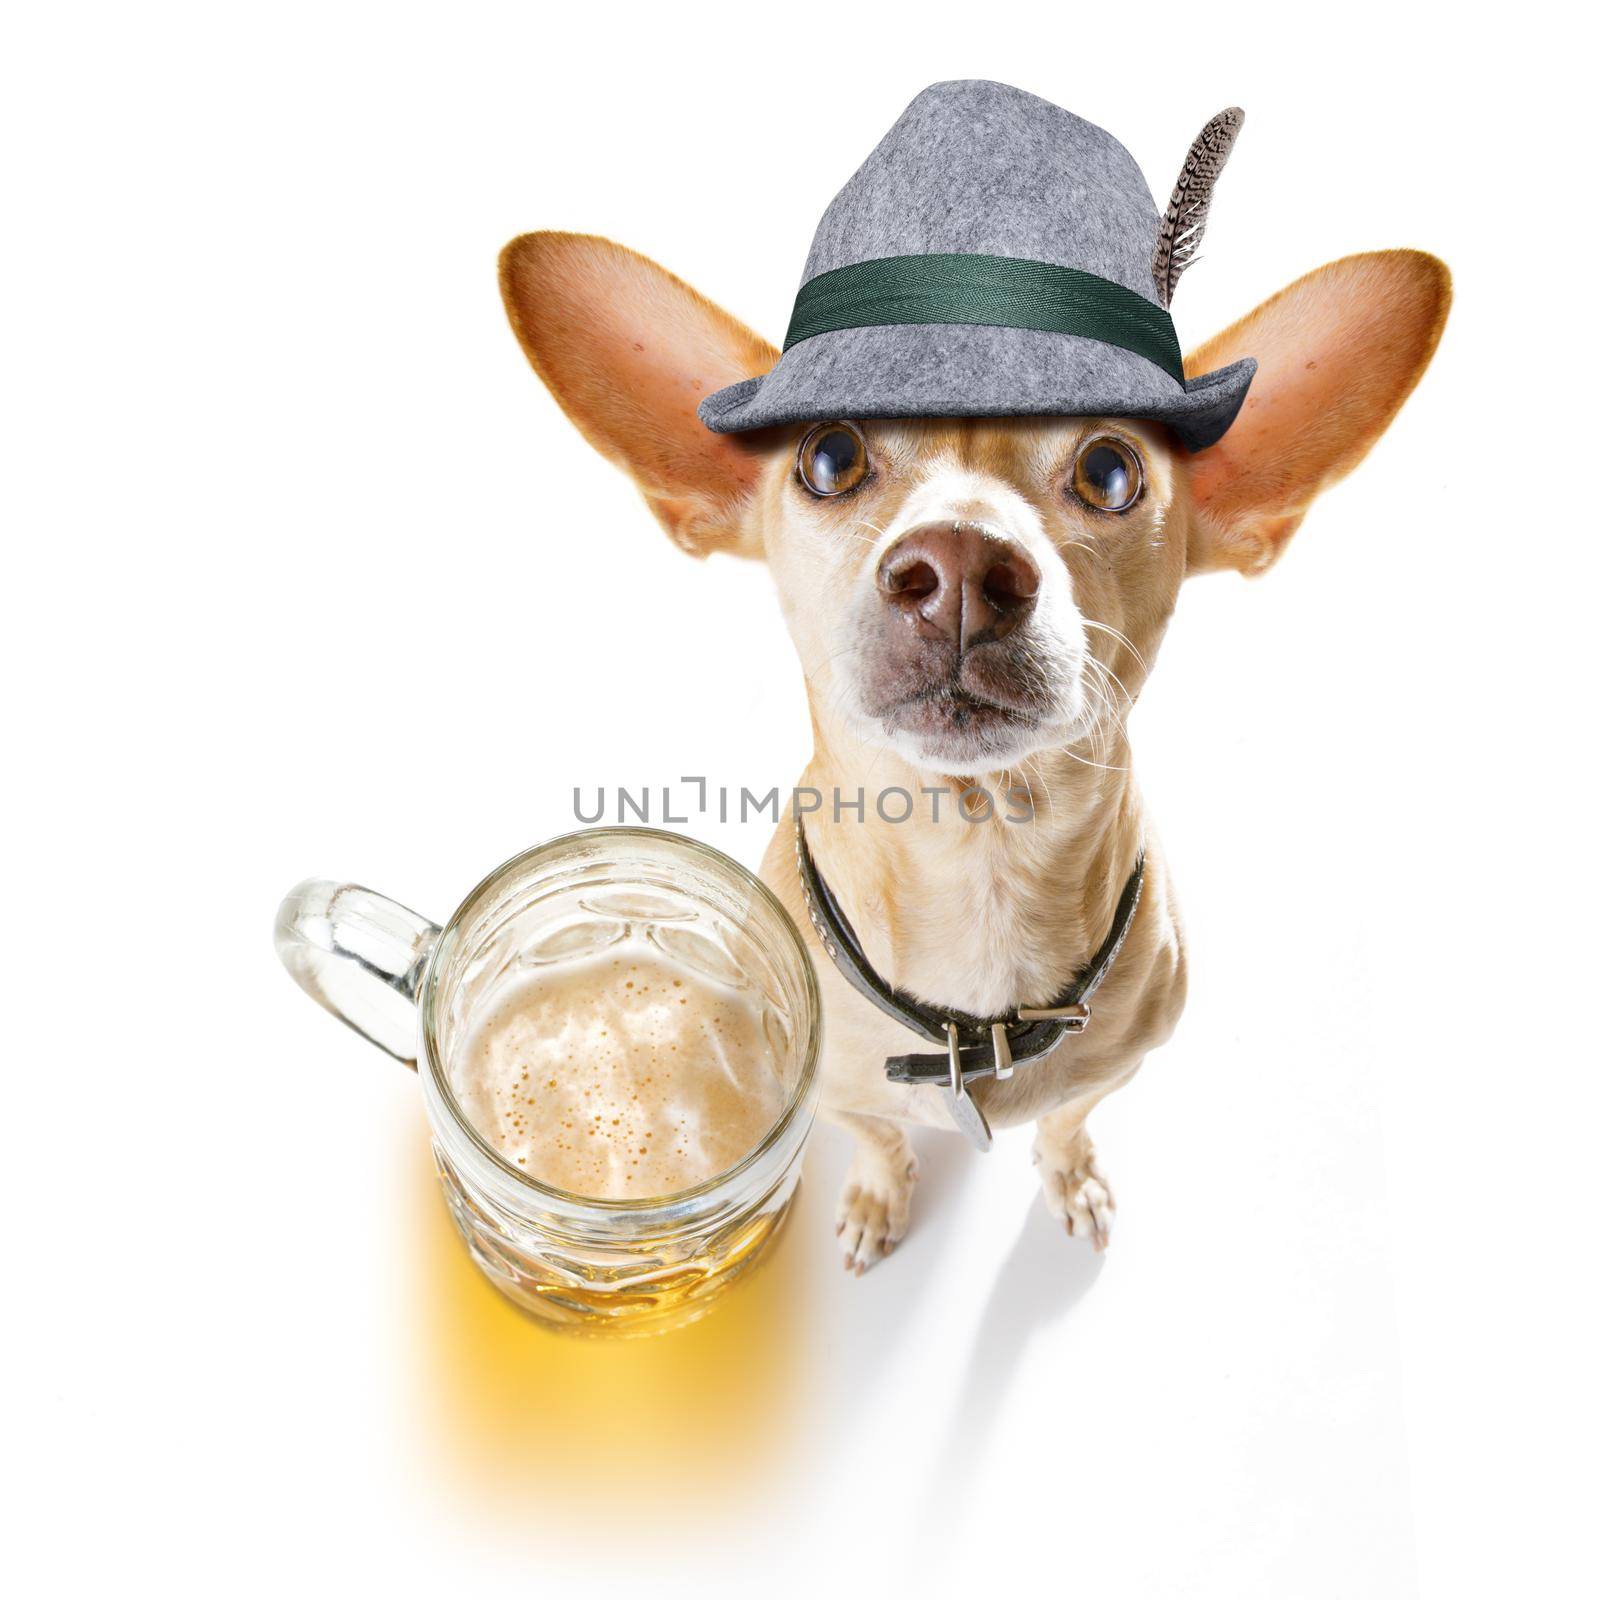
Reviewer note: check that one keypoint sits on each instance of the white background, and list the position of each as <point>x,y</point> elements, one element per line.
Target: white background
<point>306,574</point>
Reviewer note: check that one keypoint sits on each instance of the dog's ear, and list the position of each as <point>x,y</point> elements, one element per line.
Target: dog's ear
<point>629,352</point>
<point>1339,351</point>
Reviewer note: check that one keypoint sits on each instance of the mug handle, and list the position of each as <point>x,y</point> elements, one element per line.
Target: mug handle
<point>358,955</point>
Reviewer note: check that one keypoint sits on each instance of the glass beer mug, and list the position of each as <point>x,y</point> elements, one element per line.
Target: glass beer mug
<point>415,990</point>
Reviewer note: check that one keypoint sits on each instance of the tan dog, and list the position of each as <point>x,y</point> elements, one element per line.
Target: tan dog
<point>976,602</point>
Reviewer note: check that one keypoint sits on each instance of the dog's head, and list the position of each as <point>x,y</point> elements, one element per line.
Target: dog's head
<point>969,592</point>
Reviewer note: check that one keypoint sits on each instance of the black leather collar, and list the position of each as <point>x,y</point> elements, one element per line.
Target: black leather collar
<point>971,1047</point>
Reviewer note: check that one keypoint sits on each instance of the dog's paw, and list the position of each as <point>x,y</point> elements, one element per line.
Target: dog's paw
<point>875,1205</point>
<point>1075,1189</point>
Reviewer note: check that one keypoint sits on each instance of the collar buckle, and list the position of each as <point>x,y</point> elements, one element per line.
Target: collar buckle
<point>1001,1043</point>
<point>1073,1019</point>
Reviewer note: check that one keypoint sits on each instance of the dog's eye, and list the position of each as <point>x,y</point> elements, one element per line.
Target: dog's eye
<point>1106,475</point>
<point>833,459</point>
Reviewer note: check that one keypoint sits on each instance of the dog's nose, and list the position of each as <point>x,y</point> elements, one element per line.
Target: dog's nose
<point>959,581</point>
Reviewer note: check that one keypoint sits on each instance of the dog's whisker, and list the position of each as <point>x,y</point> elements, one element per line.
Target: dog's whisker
<point>1102,709</point>
<point>1044,782</point>
<point>1105,719</point>
<point>1099,766</point>
<point>864,522</point>
<point>1104,671</point>
<point>1121,638</point>
<point>1099,672</point>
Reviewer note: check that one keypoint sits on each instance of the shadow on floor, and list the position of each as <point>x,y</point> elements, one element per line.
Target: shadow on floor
<point>1042,1279</point>
<point>868,1318</point>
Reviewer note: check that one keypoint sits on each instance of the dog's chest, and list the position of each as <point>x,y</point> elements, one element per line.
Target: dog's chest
<point>976,923</point>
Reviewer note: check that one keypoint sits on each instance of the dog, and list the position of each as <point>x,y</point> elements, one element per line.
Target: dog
<point>976,604</point>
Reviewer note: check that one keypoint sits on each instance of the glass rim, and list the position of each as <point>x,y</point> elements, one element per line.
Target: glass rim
<point>811,995</point>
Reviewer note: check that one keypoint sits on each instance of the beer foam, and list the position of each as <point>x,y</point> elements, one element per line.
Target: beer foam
<point>619,1077</point>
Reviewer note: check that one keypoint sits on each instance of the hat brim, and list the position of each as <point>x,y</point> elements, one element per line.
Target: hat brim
<point>962,370</point>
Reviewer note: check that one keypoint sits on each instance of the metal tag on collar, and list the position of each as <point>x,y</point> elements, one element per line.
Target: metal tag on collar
<point>964,1110</point>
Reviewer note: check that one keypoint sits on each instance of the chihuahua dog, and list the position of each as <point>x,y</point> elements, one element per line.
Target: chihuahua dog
<point>976,604</point>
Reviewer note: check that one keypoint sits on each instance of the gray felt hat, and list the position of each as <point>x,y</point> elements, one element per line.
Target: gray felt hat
<point>997,256</point>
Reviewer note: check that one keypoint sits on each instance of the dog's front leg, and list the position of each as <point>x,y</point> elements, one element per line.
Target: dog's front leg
<point>1075,1189</point>
<point>875,1203</point>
